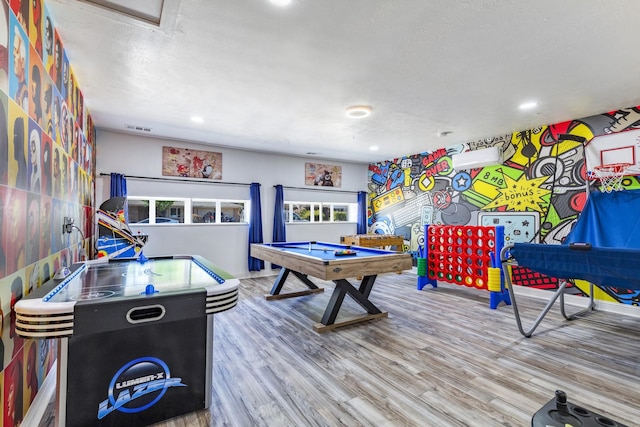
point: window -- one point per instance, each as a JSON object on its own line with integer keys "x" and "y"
{"x": 155, "y": 210}
{"x": 304, "y": 212}
{"x": 204, "y": 211}
{"x": 231, "y": 211}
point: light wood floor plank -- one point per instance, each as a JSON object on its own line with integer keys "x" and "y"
{"x": 441, "y": 358}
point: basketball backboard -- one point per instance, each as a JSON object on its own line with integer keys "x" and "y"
{"x": 622, "y": 147}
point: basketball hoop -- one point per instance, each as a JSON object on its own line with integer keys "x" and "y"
{"x": 610, "y": 176}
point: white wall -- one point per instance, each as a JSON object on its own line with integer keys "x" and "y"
{"x": 225, "y": 244}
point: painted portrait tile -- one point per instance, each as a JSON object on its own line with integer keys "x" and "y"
{"x": 3, "y": 244}
{"x": 19, "y": 64}
{"x": 13, "y": 410}
{"x": 47, "y": 104}
{"x": 57, "y": 239}
{"x": 4, "y": 47}
{"x": 36, "y": 88}
{"x": 80, "y": 116}
{"x": 17, "y": 292}
{"x": 34, "y": 166}
{"x": 32, "y": 251}
{"x": 47, "y": 51}
{"x": 71, "y": 92}
{"x": 14, "y": 226}
{"x": 73, "y": 180}
{"x": 20, "y": 9}
{"x": 32, "y": 275}
{"x": 45, "y": 229}
{"x": 64, "y": 176}
{"x": 66, "y": 127}
{"x": 35, "y": 24}
{"x": 56, "y": 176}
{"x": 66, "y": 74}
{"x": 89, "y": 158}
{"x": 58, "y": 61}
{"x": 84, "y": 157}
{"x": 56, "y": 116}
{"x": 75, "y": 143}
{"x": 4, "y": 139}
{"x": 55, "y": 262}
{"x": 46, "y": 156}
{"x": 18, "y": 129}
{"x": 31, "y": 382}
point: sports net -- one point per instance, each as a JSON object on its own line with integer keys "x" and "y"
{"x": 610, "y": 176}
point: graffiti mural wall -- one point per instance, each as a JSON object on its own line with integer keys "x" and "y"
{"x": 537, "y": 192}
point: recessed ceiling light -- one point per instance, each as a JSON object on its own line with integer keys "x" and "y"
{"x": 197, "y": 119}
{"x": 358, "y": 111}
{"x": 528, "y": 105}
{"x": 373, "y": 148}
{"x": 281, "y": 3}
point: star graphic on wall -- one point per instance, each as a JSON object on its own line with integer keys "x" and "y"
{"x": 522, "y": 195}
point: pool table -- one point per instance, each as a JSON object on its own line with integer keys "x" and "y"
{"x": 335, "y": 262}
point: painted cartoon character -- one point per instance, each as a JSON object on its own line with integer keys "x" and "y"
{"x": 324, "y": 179}
{"x": 207, "y": 171}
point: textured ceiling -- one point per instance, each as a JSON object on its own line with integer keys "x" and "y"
{"x": 279, "y": 79}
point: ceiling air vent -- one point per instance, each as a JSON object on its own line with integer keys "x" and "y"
{"x": 148, "y": 11}
{"x": 137, "y": 128}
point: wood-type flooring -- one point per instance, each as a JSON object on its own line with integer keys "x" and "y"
{"x": 441, "y": 358}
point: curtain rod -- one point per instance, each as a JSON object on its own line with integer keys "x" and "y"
{"x": 317, "y": 189}
{"x": 206, "y": 181}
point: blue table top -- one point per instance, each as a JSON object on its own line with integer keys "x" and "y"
{"x": 329, "y": 251}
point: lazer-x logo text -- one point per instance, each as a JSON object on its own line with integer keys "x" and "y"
{"x": 138, "y": 385}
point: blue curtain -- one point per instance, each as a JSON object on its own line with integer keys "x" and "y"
{"x": 118, "y": 185}
{"x": 279, "y": 220}
{"x": 362, "y": 213}
{"x": 279, "y": 230}
{"x": 119, "y": 189}
{"x": 255, "y": 226}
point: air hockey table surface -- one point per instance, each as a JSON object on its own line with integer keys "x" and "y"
{"x": 115, "y": 279}
{"x": 135, "y": 337}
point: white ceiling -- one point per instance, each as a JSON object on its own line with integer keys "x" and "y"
{"x": 279, "y": 79}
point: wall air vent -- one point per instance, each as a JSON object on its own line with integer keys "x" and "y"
{"x": 137, "y": 128}
{"x": 491, "y": 156}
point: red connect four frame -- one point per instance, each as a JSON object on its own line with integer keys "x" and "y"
{"x": 464, "y": 255}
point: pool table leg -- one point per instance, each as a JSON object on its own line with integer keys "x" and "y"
{"x": 279, "y": 283}
{"x": 361, "y": 296}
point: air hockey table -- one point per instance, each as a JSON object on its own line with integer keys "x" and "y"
{"x": 335, "y": 262}
{"x": 135, "y": 337}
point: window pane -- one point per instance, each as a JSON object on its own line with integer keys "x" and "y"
{"x": 169, "y": 211}
{"x": 340, "y": 213}
{"x": 138, "y": 210}
{"x": 326, "y": 213}
{"x": 317, "y": 209}
{"x": 231, "y": 211}
{"x": 301, "y": 212}
{"x": 203, "y": 212}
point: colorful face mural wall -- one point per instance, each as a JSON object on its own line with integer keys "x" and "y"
{"x": 47, "y": 146}
{"x": 537, "y": 192}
